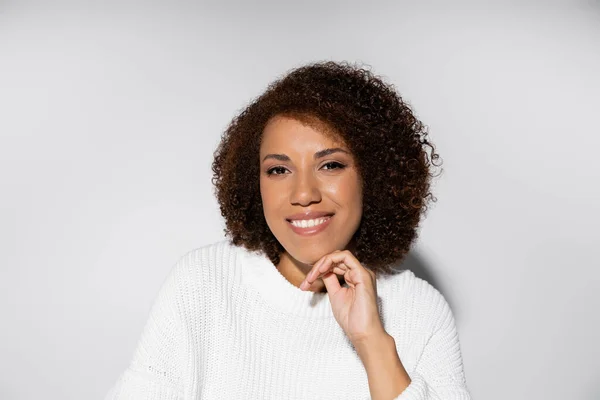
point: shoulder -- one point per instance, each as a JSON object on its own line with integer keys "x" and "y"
{"x": 216, "y": 252}
{"x": 196, "y": 273}
{"x": 417, "y": 300}
{"x": 205, "y": 262}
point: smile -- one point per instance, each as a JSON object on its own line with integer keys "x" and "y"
{"x": 309, "y": 227}
{"x": 308, "y": 223}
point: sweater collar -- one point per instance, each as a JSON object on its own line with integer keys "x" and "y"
{"x": 264, "y": 277}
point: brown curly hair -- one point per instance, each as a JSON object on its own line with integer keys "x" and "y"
{"x": 387, "y": 140}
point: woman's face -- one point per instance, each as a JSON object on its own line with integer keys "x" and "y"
{"x": 303, "y": 170}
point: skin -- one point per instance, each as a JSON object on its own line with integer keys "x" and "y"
{"x": 304, "y": 183}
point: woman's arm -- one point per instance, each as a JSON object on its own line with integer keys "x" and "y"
{"x": 439, "y": 373}
{"x": 385, "y": 372}
{"x": 155, "y": 373}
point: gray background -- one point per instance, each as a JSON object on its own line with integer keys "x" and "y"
{"x": 110, "y": 112}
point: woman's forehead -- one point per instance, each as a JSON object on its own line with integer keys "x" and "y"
{"x": 291, "y": 130}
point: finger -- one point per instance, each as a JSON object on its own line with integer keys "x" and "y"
{"x": 325, "y": 267}
{"x": 331, "y": 283}
{"x": 336, "y": 258}
{"x": 336, "y": 269}
{"x": 316, "y": 270}
{"x": 357, "y": 273}
{"x": 347, "y": 258}
{"x": 315, "y": 267}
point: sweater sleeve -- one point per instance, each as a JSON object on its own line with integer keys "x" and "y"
{"x": 154, "y": 372}
{"x": 439, "y": 373}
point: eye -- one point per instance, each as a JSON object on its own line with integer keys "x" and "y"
{"x": 281, "y": 170}
{"x": 335, "y": 164}
{"x": 271, "y": 171}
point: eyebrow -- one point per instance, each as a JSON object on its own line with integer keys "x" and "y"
{"x": 318, "y": 154}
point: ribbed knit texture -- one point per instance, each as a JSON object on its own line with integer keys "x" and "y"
{"x": 227, "y": 325}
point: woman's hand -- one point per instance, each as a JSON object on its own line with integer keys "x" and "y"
{"x": 354, "y": 308}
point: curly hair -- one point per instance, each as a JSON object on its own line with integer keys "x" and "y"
{"x": 387, "y": 140}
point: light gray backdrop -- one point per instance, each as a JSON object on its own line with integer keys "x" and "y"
{"x": 110, "y": 113}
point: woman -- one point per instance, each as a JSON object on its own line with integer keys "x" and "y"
{"x": 322, "y": 181}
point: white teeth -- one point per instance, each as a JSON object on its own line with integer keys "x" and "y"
{"x": 309, "y": 223}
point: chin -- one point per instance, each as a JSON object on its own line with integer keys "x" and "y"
{"x": 310, "y": 249}
{"x": 310, "y": 254}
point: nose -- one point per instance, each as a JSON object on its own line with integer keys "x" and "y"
{"x": 305, "y": 189}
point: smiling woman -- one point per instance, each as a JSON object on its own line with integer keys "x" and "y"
{"x": 322, "y": 181}
{"x": 314, "y": 176}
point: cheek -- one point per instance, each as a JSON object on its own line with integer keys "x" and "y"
{"x": 271, "y": 197}
{"x": 349, "y": 191}
{"x": 265, "y": 190}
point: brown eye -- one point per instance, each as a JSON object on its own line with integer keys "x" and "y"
{"x": 334, "y": 165}
{"x": 271, "y": 171}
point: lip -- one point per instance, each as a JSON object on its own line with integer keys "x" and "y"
{"x": 312, "y": 230}
{"x": 309, "y": 215}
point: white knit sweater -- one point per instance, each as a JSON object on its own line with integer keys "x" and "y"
{"x": 227, "y": 325}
